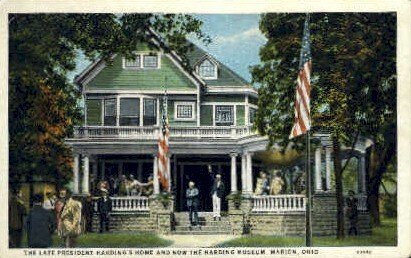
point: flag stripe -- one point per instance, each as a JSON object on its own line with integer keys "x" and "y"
{"x": 303, "y": 88}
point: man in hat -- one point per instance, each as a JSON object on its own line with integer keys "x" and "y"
{"x": 217, "y": 193}
{"x": 104, "y": 209}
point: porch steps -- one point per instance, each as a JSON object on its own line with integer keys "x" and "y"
{"x": 207, "y": 225}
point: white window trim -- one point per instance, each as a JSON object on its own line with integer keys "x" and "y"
{"x": 208, "y": 77}
{"x": 142, "y": 54}
{"x": 234, "y": 114}
{"x": 185, "y": 103}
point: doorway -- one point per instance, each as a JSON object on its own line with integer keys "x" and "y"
{"x": 203, "y": 180}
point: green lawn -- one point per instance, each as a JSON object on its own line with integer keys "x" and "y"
{"x": 385, "y": 235}
{"x": 125, "y": 240}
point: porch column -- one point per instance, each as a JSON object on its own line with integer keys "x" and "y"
{"x": 249, "y": 173}
{"x": 155, "y": 175}
{"x": 86, "y": 175}
{"x": 328, "y": 168}
{"x": 76, "y": 174}
{"x": 243, "y": 173}
{"x": 362, "y": 175}
{"x": 318, "y": 186}
{"x": 233, "y": 172}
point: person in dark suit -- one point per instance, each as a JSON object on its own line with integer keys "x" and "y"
{"x": 192, "y": 203}
{"x": 17, "y": 211}
{"x": 352, "y": 212}
{"x": 104, "y": 209}
{"x": 217, "y": 193}
{"x": 41, "y": 224}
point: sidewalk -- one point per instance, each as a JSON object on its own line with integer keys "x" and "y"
{"x": 197, "y": 240}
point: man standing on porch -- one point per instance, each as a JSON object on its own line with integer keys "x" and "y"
{"x": 217, "y": 193}
{"x": 192, "y": 203}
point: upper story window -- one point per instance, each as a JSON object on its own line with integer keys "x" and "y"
{"x": 150, "y": 112}
{"x": 252, "y": 115}
{"x": 110, "y": 112}
{"x": 129, "y": 111}
{"x": 224, "y": 115}
{"x": 184, "y": 110}
{"x": 142, "y": 61}
{"x": 150, "y": 61}
{"x": 207, "y": 70}
{"x": 133, "y": 63}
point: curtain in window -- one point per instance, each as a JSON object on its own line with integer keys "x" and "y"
{"x": 224, "y": 115}
{"x": 129, "y": 111}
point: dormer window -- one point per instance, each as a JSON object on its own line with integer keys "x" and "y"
{"x": 207, "y": 70}
{"x": 142, "y": 61}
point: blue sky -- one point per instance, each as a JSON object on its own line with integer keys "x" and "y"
{"x": 236, "y": 41}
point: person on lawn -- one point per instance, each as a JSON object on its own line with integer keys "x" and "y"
{"x": 352, "y": 212}
{"x": 104, "y": 209}
{"x": 70, "y": 226}
{"x": 41, "y": 224}
{"x": 192, "y": 203}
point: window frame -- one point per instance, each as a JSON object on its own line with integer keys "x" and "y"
{"x": 185, "y": 103}
{"x": 215, "y": 75}
{"x": 155, "y": 110}
{"x": 233, "y": 116}
{"x": 139, "y": 111}
{"x": 251, "y": 109}
{"x": 141, "y": 56}
{"x": 105, "y": 111}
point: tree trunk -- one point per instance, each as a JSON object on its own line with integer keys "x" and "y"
{"x": 379, "y": 164}
{"x": 338, "y": 188}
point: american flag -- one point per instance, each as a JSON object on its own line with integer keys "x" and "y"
{"x": 302, "y": 118}
{"x": 163, "y": 148}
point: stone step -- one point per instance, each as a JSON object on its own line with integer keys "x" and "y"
{"x": 201, "y": 232}
{"x": 204, "y": 222}
{"x": 203, "y": 228}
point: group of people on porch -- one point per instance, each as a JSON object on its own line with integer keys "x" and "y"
{"x": 124, "y": 186}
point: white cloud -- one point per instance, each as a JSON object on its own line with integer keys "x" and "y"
{"x": 253, "y": 33}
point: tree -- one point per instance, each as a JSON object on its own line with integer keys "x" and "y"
{"x": 43, "y": 48}
{"x": 353, "y": 70}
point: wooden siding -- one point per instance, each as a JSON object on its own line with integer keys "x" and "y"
{"x": 115, "y": 77}
{"x": 206, "y": 115}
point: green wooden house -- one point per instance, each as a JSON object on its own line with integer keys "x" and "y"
{"x": 211, "y": 112}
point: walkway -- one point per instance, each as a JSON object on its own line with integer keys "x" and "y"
{"x": 197, "y": 240}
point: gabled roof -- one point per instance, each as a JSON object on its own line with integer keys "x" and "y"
{"x": 226, "y": 76}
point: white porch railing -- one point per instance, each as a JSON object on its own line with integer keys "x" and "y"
{"x": 151, "y": 132}
{"x": 278, "y": 203}
{"x": 127, "y": 203}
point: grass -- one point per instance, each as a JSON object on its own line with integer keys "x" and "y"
{"x": 114, "y": 240}
{"x": 385, "y": 235}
